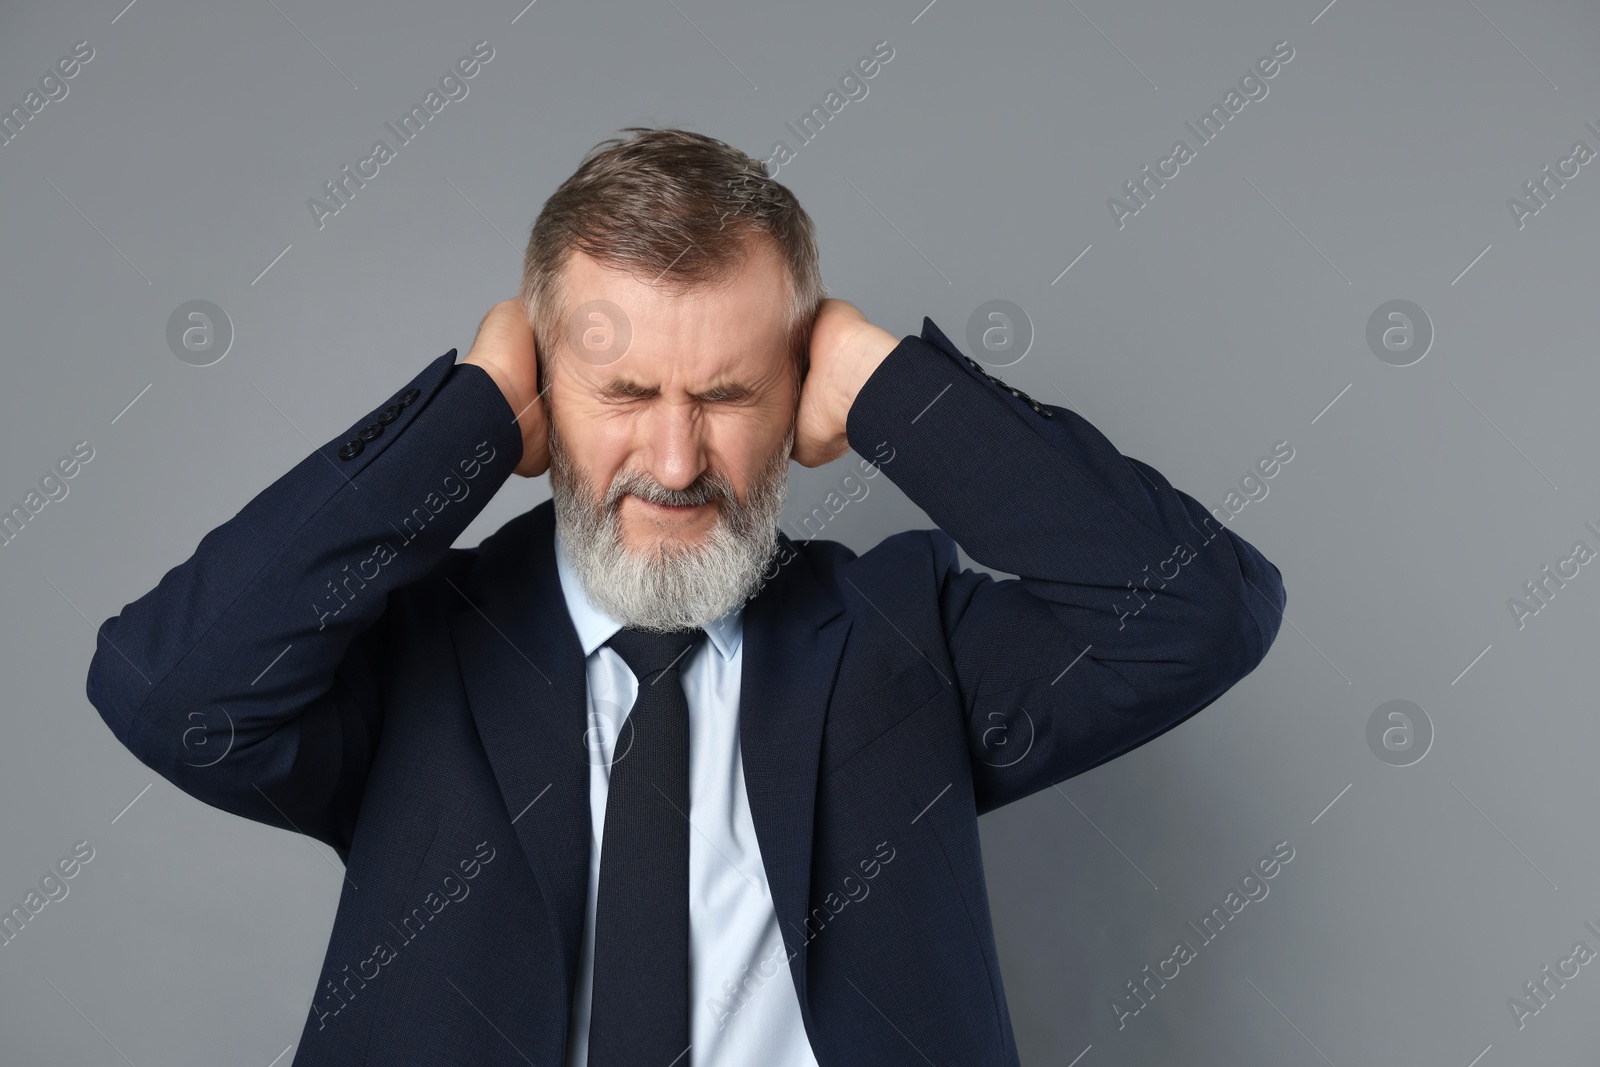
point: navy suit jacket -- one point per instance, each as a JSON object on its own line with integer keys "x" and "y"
{"x": 327, "y": 663}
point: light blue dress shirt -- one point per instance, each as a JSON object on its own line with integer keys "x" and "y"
{"x": 742, "y": 1004}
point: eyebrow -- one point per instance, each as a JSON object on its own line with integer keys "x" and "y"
{"x": 628, "y": 389}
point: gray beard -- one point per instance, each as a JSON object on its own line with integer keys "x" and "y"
{"x": 675, "y": 586}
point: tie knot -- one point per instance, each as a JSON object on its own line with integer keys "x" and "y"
{"x": 647, "y": 653}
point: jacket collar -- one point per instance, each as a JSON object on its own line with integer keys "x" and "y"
{"x": 522, "y": 663}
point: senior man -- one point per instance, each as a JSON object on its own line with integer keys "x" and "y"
{"x": 640, "y": 780}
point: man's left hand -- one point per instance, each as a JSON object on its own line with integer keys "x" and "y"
{"x": 845, "y": 350}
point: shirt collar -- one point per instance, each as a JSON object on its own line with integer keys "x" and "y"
{"x": 595, "y": 627}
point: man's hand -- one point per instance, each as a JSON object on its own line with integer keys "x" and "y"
{"x": 845, "y": 350}
{"x": 504, "y": 348}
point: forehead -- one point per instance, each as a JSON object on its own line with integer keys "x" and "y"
{"x": 736, "y": 324}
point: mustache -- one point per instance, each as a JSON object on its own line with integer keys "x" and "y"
{"x": 710, "y": 487}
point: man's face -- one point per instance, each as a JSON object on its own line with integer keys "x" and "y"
{"x": 706, "y": 388}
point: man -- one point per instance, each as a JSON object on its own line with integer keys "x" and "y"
{"x": 640, "y": 780}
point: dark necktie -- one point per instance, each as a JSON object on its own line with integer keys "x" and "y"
{"x": 639, "y": 1015}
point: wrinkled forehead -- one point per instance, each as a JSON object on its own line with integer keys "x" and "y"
{"x": 617, "y": 323}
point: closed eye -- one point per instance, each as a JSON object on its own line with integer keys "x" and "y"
{"x": 624, "y": 391}
{"x": 725, "y": 394}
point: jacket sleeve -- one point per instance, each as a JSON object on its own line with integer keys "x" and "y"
{"x": 1133, "y": 607}
{"x": 250, "y": 676}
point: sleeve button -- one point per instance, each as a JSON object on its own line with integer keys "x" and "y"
{"x": 389, "y": 414}
{"x": 409, "y": 395}
{"x": 351, "y": 449}
{"x": 369, "y": 431}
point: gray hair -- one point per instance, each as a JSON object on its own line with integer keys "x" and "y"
{"x": 677, "y": 206}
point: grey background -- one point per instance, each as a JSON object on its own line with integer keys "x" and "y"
{"x": 1224, "y": 317}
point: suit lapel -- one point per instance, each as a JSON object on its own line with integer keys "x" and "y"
{"x": 523, "y": 669}
{"x": 794, "y": 634}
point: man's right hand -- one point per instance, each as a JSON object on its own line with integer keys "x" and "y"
{"x": 504, "y": 348}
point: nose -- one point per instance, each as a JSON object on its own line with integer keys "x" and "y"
{"x": 674, "y": 449}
